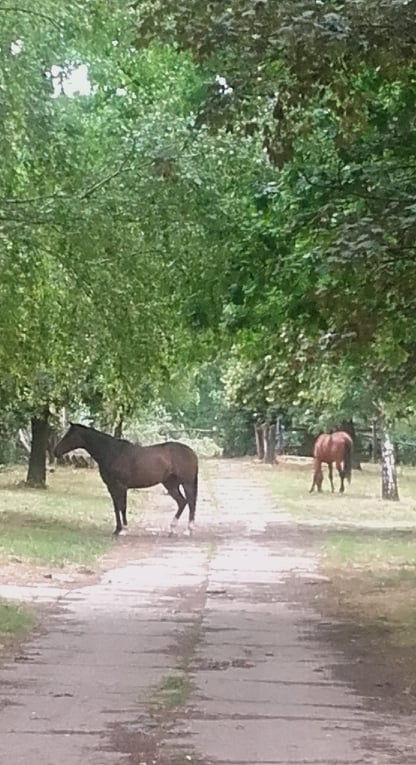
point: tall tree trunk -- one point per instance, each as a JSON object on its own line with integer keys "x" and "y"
{"x": 36, "y": 474}
{"x": 52, "y": 441}
{"x": 374, "y": 441}
{"x": 118, "y": 430}
{"x": 270, "y": 439}
{"x": 280, "y": 437}
{"x": 389, "y": 489}
{"x": 63, "y": 418}
{"x": 259, "y": 434}
{"x": 348, "y": 427}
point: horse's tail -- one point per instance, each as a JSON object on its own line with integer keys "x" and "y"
{"x": 192, "y": 494}
{"x": 348, "y": 460}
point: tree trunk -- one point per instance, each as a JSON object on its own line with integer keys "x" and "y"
{"x": 280, "y": 437}
{"x": 348, "y": 427}
{"x": 118, "y": 430}
{"x": 52, "y": 441}
{"x": 63, "y": 418}
{"x": 389, "y": 489}
{"x": 270, "y": 439}
{"x": 36, "y": 475}
{"x": 24, "y": 439}
{"x": 259, "y": 434}
{"x": 374, "y": 441}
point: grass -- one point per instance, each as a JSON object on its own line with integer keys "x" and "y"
{"x": 368, "y": 546}
{"x": 15, "y": 620}
{"x": 172, "y": 692}
{"x": 373, "y": 551}
{"x": 374, "y": 579}
{"x": 69, "y": 523}
{"x": 360, "y": 505}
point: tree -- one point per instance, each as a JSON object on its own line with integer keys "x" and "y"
{"x": 330, "y": 91}
{"x": 84, "y": 279}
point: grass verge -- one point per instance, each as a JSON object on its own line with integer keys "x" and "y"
{"x": 361, "y": 503}
{"x": 368, "y": 553}
{"x": 373, "y": 579}
{"x": 15, "y": 620}
{"x": 69, "y": 523}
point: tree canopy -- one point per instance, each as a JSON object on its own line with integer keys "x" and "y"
{"x": 325, "y": 278}
{"x": 232, "y": 182}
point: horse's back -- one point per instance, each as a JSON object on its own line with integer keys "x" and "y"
{"x": 341, "y": 437}
{"x": 328, "y": 446}
{"x": 182, "y": 456}
{"x": 167, "y": 458}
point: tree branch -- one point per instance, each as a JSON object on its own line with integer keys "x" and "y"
{"x": 29, "y": 12}
{"x": 99, "y": 184}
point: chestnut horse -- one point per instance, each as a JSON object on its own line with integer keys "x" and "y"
{"x": 124, "y": 465}
{"x": 332, "y": 447}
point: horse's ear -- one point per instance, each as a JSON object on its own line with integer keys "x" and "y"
{"x": 70, "y": 423}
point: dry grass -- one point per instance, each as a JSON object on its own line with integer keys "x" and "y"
{"x": 368, "y": 545}
{"x": 360, "y": 505}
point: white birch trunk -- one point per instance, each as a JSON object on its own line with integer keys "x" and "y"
{"x": 389, "y": 488}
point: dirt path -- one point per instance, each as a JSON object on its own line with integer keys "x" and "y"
{"x": 192, "y": 651}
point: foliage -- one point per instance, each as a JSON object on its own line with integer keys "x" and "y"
{"x": 86, "y": 302}
{"x": 235, "y": 191}
{"x": 325, "y": 251}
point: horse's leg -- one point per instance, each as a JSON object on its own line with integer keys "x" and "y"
{"x": 331, "y": 476}
{"x": 341, "y": 475}
{"x": 172, "y": 487}
{"x": 123, "y": 509}
{"x": 191, "y": 490}
{"x": 119, "y": 497}
{"x": 317, "y": 476}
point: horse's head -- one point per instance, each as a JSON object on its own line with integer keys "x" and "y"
{"x": 73, "y": 439}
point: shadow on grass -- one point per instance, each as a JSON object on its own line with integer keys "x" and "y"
{"x": 29, "y": 537}
{"x": 21, "y": 520}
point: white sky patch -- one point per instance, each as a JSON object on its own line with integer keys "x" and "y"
{"x": 222, "y": 82}
{"x": 16, "y": 47}
{"x": 71, "y": 83}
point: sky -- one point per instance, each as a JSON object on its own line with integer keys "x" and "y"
{"x": 76, "y": 82}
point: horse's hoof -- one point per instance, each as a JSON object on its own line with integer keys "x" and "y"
{"x": 189, "y": 530}
{"x": 173, "y": 526}
{"x": 120, "y": 533}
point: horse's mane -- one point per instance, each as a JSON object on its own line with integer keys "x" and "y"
{"x": 102, "y": 445}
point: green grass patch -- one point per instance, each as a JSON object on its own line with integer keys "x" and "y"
{"x": 15, "y": 620}
{"x": 379, "y": 553}
{"x": 171, "y": 693}
{"x": 361, "y": 504}
{"x": 373, "y": 579}
{"x": 368, "y": 545}
{"x": 69, "y": 523}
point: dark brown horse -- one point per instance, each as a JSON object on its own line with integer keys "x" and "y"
{"x": 124, "y": 465}
{"x": 329, "y": 448}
